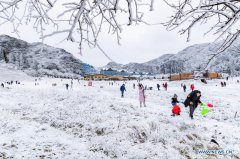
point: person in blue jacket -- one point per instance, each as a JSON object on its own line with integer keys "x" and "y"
{"x": 122, "y": 89}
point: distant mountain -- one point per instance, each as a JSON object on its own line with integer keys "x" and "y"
{"x": 38, "y": 59}
{"x": 114, "y": 65}
{"x": 192, "y": 58}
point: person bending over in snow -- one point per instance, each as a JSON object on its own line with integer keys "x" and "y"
{"x": 193, "y": 99}
{"x": 122, "y": 89}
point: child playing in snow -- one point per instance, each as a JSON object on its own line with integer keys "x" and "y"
{"x": 176, "y": 110}
{"x": 174, "y": 100}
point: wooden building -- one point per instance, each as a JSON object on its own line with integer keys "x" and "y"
{"x": 187, "y": 76}
{"x": 181, "y": 76}
{"x": 214, "y": 75}
{"x": 96, "y": 77}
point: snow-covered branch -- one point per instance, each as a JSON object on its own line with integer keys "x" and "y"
{"x": 223, "y": 14}
{"x": 82, "y": 20}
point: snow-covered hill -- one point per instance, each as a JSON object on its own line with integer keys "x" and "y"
{"x": 191, "y": 58}
{"x": 39, "y": 59}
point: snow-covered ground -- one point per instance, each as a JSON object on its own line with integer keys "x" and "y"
{"x": 46, "y": 121}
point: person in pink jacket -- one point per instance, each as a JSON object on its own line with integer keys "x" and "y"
{"x": 141, "y": 95}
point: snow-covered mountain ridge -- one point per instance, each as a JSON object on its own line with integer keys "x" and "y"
{"x": 38, "y": 59}
{"x": 192, "y": 58}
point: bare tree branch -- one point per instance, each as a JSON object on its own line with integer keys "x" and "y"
{"x": 85, "y": 18}
{"x": 223, "y": 14}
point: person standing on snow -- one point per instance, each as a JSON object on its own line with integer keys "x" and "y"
{"x": 222, "y": 84}
{"x": 166, "y": 85}
{"x": 184, "y": 88}
{"x": 122, "y": 89}
{"x": 141, "y": 95}
{"x": 72, "y": 84}
{"x": 67, "y": 85}
{"x": 193, "y": 99}
{"x": 158, "y": 86}
{"x": 225, "y": 84}
{"x": 133, "y": 85}
{"x": 192, "y": 87}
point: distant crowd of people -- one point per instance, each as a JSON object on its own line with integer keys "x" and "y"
{"x": 10, "y": 83}
{"x": 192, "y": 99}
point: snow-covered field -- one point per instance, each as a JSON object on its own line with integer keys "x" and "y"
{"x": 46, "y": 121}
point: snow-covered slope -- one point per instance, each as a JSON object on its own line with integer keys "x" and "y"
{"x": 39, "y": 59}
{"x": 9, "y": 73}
{"x": 191, "y": 58}
{"x": 43, "y": 121}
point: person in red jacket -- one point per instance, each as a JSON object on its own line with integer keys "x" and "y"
{"x": 176, "y": 110}
{"x": 166, "y": 85}
{"x": 192, "y": 87}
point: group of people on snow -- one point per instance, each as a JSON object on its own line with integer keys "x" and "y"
{"x": 9, "y": 83}
{"x": 191, "y": 101}
{"x": 223, "y": 84}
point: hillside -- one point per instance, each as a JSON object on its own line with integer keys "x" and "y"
{"x": 38, "y": 59}
{"x": 191, "y": 58}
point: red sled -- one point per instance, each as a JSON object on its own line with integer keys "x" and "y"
{"x": 210, "y": 105}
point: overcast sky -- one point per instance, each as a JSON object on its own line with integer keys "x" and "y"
{"x": 139, "y": 43}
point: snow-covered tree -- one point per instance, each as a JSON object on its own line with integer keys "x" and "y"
{"x": 81, "y": 20}
{"x": 223, "y": 15}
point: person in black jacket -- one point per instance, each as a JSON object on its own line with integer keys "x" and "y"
{"x": 184, "y": 88}
{"x": 122, "y": 89}
{"x": 193, "y": 99}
